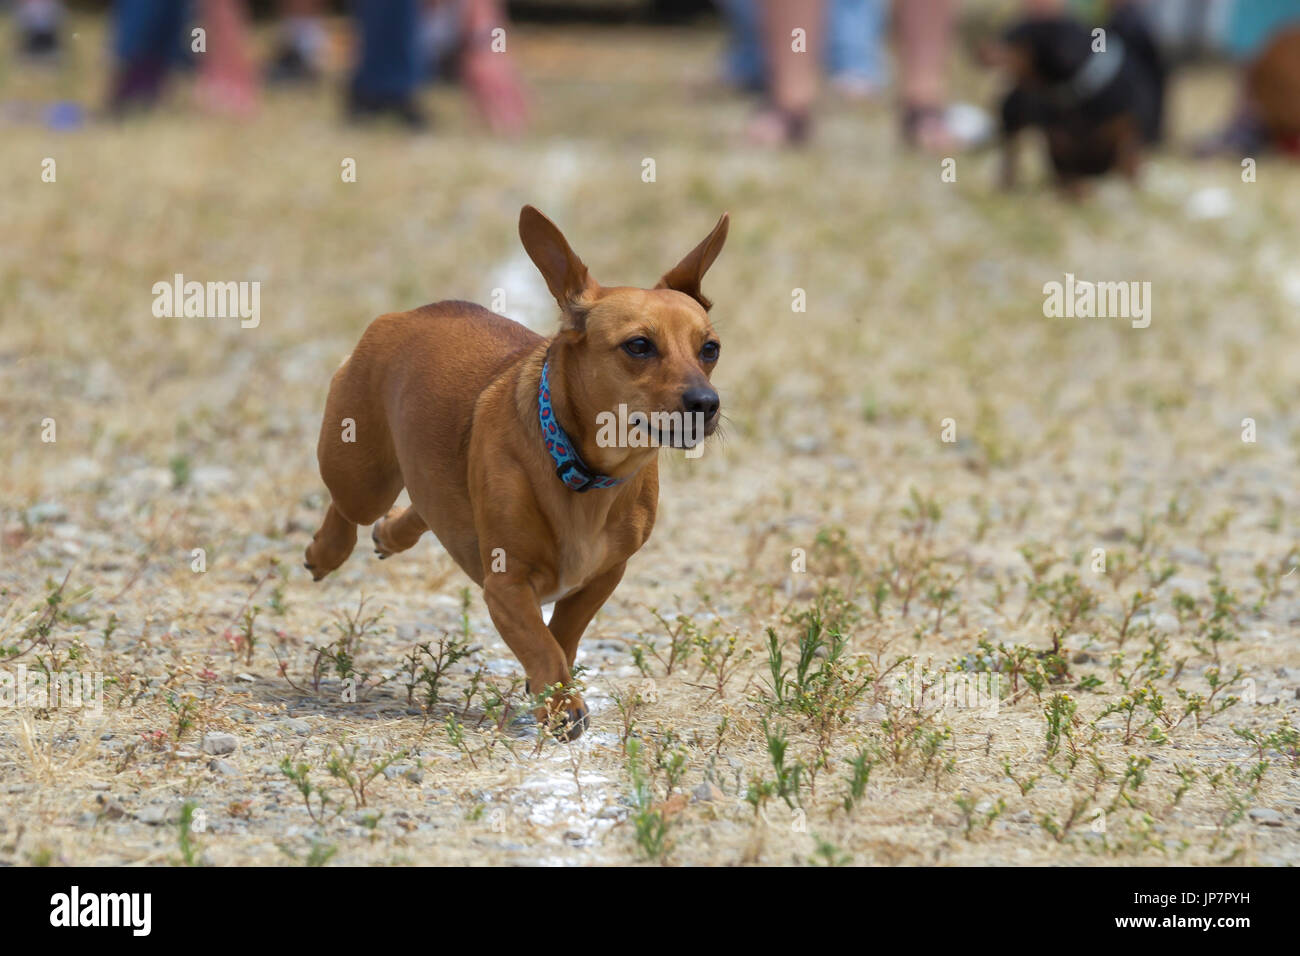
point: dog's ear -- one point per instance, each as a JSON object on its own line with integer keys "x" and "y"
{"x": 687, "y": 274}
{"x": 567, "y": 278}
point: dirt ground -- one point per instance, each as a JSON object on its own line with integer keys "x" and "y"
{"x": 1135, "y": 705}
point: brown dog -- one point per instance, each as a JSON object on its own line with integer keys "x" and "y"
{"x": 1272, "y": 90}
{"x": 447, "y": 401}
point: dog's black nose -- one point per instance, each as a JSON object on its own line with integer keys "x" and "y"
{"x": 700, "y": 400}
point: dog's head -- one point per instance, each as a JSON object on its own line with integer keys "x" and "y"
{"x": 1041, "y": 52}
{"x": 651, "y": 351}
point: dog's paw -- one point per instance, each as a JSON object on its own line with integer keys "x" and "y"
{"x": 574, "y": 724}
{"x": 383, "y": 550}
{"x": 374, "y": 538}
{"x": 314, "y": 562}
{"x": 566, "y": 718}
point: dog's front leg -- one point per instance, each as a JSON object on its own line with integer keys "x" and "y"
{"x": 1007, "y": 171}
{"x": 515, "y": 611}
{"x": 1128, "y": 149}
{"x": 1017, "y": 107}
{"x": 574, "y": 613}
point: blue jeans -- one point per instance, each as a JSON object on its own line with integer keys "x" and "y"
{"x": 855, "y": 40}
{"x": 388, "y": 67}
{"x": 150, "y": 31}
{"x": 853, "y": 48}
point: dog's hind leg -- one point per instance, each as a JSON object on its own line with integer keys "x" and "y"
{"x": 353, "y": 503}
{"x": 397, "y": 531}
{"x": 357, "y": 464}
{"x": 331, "y": 545}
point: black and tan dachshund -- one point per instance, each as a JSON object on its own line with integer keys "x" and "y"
{"x": 1098, "y": 97}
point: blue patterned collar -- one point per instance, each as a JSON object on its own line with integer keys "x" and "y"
{"x": 568, "y": 466}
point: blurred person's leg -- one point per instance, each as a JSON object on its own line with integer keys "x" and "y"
{"x": 794, "y": 61}
{"x": 925, "y": 29}
{"x": 227, "y": 83}
{"x": 855, "y": 56}
{"x": 743, "y": 63}
{"x": 387, "y": 70}
{"x": 440, "y": 39}
{"x": 38, "y": 27}
{"x": 145, "y": 37}
{"x": 300, "y": 43}
{"x": 487, "y": 70}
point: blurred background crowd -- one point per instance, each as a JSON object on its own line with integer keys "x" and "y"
{"x": 787, "y": 53}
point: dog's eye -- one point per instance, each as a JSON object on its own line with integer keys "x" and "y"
{"x": 710, "y": 351}
{"x": 639, "y": 347}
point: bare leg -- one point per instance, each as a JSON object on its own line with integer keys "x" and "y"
{"x": 794, "y": 64}
{"x": 488, "y": 76}
{"x": 925, "y": 30}
{"x": 226, "y": 80}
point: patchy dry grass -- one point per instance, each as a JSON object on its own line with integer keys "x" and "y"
{"x": 1143, "y": 701}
